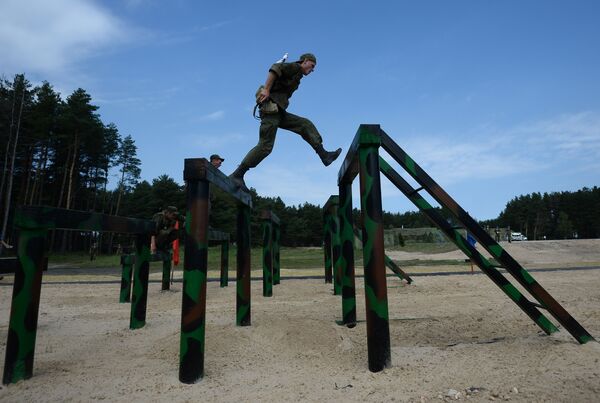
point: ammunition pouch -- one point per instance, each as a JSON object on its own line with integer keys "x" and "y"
{"x": 267, "y": 107}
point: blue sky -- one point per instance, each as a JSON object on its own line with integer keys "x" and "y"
{"x": 493, "y": 98}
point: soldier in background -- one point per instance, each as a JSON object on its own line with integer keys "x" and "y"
{"x": 273, "y": 99}
{"x": 166, "y": 231}
{"x": 216, "y": 160}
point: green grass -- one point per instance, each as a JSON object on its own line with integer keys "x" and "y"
{"x": 437, "y": 247}
{"x": 291, "y": 258}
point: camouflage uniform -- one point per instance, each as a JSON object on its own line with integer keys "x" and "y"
{"x": 287, "y": 81}
{"x": 166, "y": 232}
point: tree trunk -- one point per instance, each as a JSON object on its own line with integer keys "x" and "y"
{"x": 64, "y": 181}
{"x": 7, "y": 153}
{"x": 71, "y": 169}
{"x": 10, "y": 175}
{"x": 36, "y": 178}
{"x": 63, "y": 248}
{"x": 42, "y": 178}
{"x": 26, "y": 179}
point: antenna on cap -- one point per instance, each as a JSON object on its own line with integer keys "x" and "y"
{"x": 283, "y": 59}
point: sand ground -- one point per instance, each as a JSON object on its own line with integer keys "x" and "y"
{"x": 452, "y": 337}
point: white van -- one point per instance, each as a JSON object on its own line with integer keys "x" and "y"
{"x": 517, "y": 236}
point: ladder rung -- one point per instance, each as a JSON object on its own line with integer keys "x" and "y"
{"x": 416, "y": 191}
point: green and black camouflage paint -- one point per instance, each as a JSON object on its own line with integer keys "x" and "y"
{"x": 267, "y": 257}
{"x": 389, "y": 262}
{"x": 224, "y": 281}
{"x": 346, "y": 237}
{"x": 455, "y": 236}
{"x": 193, "y": 309}
{"x": 506, "y": 260}
{"x": 33, "y": 223}
{"x": 198, "y": 173}
{"x": 327, "y": 247}
{"x": 243, "y": 314}
{"x": 332, "y": 238}
{"x": 336, "y": 250}
{"x": 139, "y": 294}
{"x": 378, "y": 331}
{"x": 126, "y": 273}
{"x": 22, "y": 328}
{"x": 270, "y": 253}
{"x": 166, "y": 271}
{"x": 276, "y": 254}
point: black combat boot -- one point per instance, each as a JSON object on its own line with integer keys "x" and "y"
{"x": 327, "y": 157}
{"x": 237, "y": 177}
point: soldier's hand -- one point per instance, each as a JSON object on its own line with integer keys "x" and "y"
{"x": 264, "y": 95}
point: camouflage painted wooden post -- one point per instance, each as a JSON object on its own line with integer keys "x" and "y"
{"x": 334, "y": 250}
{"x": 243, "y": 313}
{"x": 276, "y": 256}
{"x": 126, "y": 273}
{"x": 327, "y": 247}
{"x": 389, "y": 262}
{"x": 22, "y": 328}
{"x": 455, "y": 236}
{"x": 166, "y": 272}
{"x": 347, "y": 255}
{"x": 378, "y": 331}
{"x": 224, "y": 263}
{"x": 34, "y": 223}
{"x": 139, "y": 297}
{"x": 267, "y": 255}
{"x": 193, "y": 310}
{"x": 486, "y": 241}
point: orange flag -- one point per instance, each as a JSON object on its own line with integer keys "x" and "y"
{"x": 176, "y": 247}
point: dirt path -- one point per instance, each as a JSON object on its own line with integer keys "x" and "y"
{"x": 451, "y": 337}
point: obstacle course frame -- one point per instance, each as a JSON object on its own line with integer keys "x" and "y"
{"x": 199, "y": 174}
{"x": 363, "y": 159}
{"x": 33, "y": 224}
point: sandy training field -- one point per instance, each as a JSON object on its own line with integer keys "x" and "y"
{"x": 453, "y": 337}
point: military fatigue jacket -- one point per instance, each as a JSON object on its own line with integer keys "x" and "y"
{"x": 287, "y": 81}
{"x": 163, "y": 223}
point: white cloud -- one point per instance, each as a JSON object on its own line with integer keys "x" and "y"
{"x": 576, "y": 134}
{"x": 213, "y": 142}
{"x": 494, "y": 152}
{"x": 48, "y": 36}
{"x": 217, "y": 115}
{"x": 294, "y": 184}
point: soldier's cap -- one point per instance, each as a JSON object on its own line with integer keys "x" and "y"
{"x": 172, "y": 209}
{"x": 216, "y": 157}
{"x": 307, "y": 56}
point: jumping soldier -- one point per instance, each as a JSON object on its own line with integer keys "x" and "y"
{"x": 166, "y": 231}
{"x": 272, "y": 100}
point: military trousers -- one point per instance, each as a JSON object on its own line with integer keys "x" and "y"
{"x": 165, "y": 238}
{"x": 268, "y": 129}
